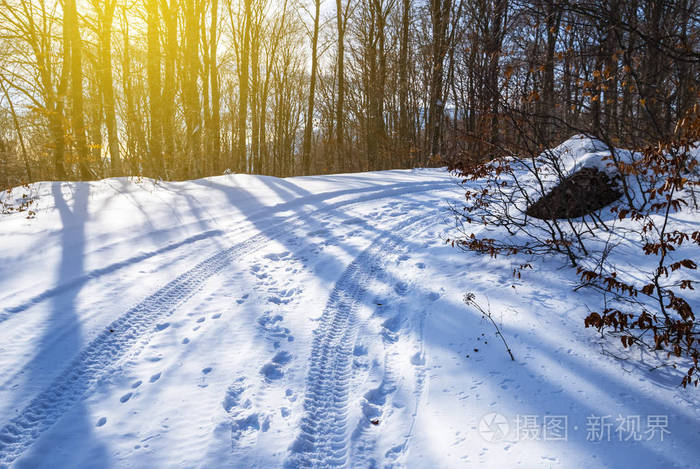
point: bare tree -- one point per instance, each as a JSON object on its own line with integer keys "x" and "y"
{"x": 105, "y": 20}
{"x": 154, "y": 89}
{"x": 308, "y": 128}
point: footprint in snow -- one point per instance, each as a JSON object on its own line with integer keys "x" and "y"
{"x": 401, "y": 288}
{"x": 155, "y": 377}
{"x": 273, "y": 370}
{"x": 284, "y": 297}
{"x": 282, "y": 358}
{"x": 433, "y": 296}
{"x": 207, "y": 370}
{"x": 126, "y": 397}
{"x": 251, "y": 422}
{"x": 267, "y": 320}
{"x": 101, "y": 421}
{"x": 277, "y": 256}
{"x": 359, "y": 350}
{"x": 394, "y": 453}
{"x": 289, "y": 394}
{"x": 360, "y": 353}
{"x": 418, "y": 359}
{"x": 322, "y": 233}
{"x": 273, "y": 329}
{"x": 233, "y": 395}
{"x": 393, "y": 324}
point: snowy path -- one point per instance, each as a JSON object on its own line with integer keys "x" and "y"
{"x": 309, "y": 322}
{"x": 132, "y": 330}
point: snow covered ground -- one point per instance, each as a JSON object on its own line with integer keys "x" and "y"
{"x": 247, "y": 321}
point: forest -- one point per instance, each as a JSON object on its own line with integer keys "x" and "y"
{"x": 181, "y": 89}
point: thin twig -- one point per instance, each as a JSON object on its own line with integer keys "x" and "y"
{"x": 469, "y": 300}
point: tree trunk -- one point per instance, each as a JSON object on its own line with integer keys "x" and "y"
{"x": 134, "y": 132}
{"x": 170, "y": 85}
{"x": 205, "y": 162}
{"x": 154, "y": 89}
{"x": 255, "y": 96}
{"x": 439, "y": 16}
{"x": 107, "y": 86}
{"x": 72, "y": 33}
{"x": 552, "y": 20}
{"x": 340, "y": 99}
{"x": 495, "y": 42}
{"x": 403, "y": 73}
{"x": 215, "y": 120}
{"x": 243, "y": 89}
{"x": 380, "y": 85}
{"x": 308, "y": 128}
{"x": 191, "y": 95}
{"x": 610, "y": 92}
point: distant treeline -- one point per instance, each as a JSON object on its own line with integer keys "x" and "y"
{"x": 181, "y": 89}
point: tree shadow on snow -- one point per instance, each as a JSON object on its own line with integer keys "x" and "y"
{"x": 70, "y": 439}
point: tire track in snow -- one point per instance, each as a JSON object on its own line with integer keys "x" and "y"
{"x": 79, "y": 281}
{"x": 135, "y": 326}
{"x": 397, "y": 189}
{"x": 323, "y": 438}
{"x": 95, "y": 359}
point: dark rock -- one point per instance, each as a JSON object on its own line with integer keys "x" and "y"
{"x": 582, "y": 193}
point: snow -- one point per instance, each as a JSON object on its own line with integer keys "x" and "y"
{"x": 248, "y": 321}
